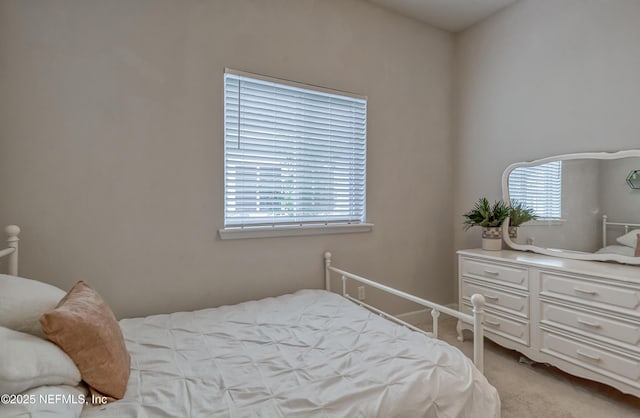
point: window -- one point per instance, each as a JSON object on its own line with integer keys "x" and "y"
{"x": 295, "y": 155}
{"x": 539, "y": 187}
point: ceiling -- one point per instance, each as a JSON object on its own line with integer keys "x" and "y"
{"x": 450, "y": 15}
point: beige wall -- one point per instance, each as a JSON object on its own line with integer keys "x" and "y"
{"x": 111, "y": 136}
{"x": 542, "y": 77}
{"x": 111, "y": 145}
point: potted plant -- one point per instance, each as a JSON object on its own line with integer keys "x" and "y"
{"x": 519, "y": 213}
{"x": 490, "y": 217}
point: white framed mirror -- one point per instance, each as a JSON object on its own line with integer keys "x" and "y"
{"x": 585, "y": 205}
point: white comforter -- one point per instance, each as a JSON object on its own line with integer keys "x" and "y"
{"x": 311, "y": 353}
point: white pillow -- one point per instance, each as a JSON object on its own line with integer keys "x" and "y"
{"x": 629, "y": 239}
{"x": 23, "y": 301}
{"x": 46, "y": 402}
{"x": 27, "y": 361}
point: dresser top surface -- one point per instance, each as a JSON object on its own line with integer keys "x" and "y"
{"x": 597, "y": 268}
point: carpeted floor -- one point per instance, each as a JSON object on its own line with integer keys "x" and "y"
{"x": 540, "y": 391}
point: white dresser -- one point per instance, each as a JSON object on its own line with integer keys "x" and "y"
{"x": 580, "y": 316}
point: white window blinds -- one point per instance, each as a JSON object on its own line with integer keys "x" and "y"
{"x": 538, "y": 187}
{"x": 293, "y": 155}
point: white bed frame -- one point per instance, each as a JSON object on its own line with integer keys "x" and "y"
{"x": 12, "y": 249}
{"x": 477, "y": 300}
{"x": 606, "y": 224}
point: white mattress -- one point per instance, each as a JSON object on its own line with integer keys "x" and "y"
{"x": 311, "y": 353}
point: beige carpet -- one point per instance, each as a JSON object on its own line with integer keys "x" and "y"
{"x": 540, "y": 391}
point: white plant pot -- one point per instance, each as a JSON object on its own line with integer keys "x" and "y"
{"x": 492, "y": 239}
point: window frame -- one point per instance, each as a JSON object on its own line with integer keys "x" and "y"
{"x": 288, "y": 228}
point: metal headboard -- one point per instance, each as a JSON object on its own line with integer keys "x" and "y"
{"x": 606, "y": 223}
{"x": 12, "y": 249}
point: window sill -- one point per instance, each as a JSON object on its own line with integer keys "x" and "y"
{"x": 545, "y": 222}
{"x": 291, "y": 230}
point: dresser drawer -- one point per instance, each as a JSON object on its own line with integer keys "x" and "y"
{"x": 616, "y": 366}
{"x": 592, "y": 324}
{"x": 504, "y": 327}
{"x": 511, "y": 302}
{"x": 607, "y": 296}
{"x": 499, "y": 273}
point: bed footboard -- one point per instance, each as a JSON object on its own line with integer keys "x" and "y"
{"x": 476, "y": 319}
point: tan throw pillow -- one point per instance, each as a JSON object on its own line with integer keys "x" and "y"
{"x": 86, "y": 329}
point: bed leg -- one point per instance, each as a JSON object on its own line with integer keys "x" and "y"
{"x": 478, "y": 302}
{"x": 12, "y": 240}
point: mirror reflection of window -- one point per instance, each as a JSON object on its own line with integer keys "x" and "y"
{"x": 538, "y": 187}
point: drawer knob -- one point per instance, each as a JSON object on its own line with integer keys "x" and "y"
{"x": 585, "y": 291}
{"x": 589, "y": 324}
{"x": 494, "y": 323}
{"x": 491, "y": 297}
{"x": 589, "y": 356}
{"x": 492, "y": 272}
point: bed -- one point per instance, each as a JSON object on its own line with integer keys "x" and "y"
{"x": 625, "y": 244}
{"x": 310, "y": 353}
